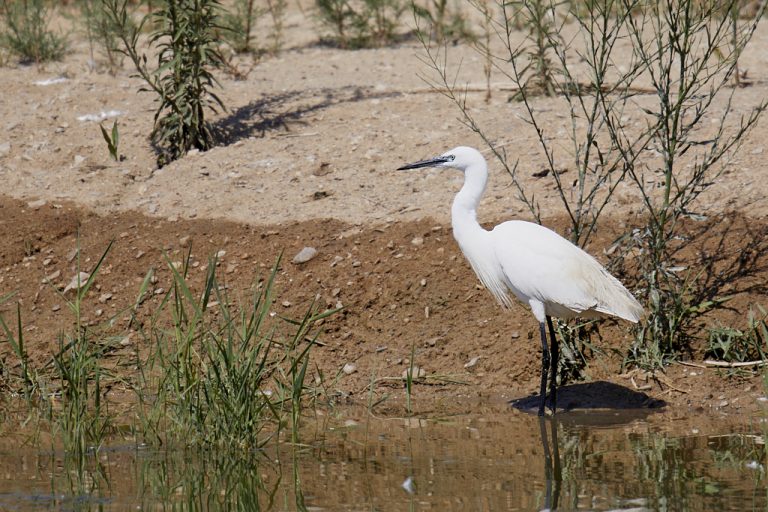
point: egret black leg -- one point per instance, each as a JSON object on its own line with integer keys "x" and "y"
{"x": 544, "y": 367}
{"x": 555, "y": 354}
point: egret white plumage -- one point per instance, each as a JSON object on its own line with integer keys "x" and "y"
{"x": 533, "y": 263}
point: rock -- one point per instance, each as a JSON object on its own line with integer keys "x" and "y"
{"x": 418, "y": 241}
{"x": 286, "y": 304}
{"x": 417, "y": 372}
{"x": 51, "y": 277}
{"x": 336, "y": 260}
{"x": 305, "y": 255}
{"x": 78, "y": 159}
{"x": 335, "y": 292}
{"x": 349, "y": 368}
{"x": 472, "y": 362}
{"x": 35, "y": 205}
{"x": 104, "y": 297}
{"x": 184, "y": 241}
{"x": 77, "y": 282}
{"x": 515, "y": 334}
{"x": 221, "y": 254}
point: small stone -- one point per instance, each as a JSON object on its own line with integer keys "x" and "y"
{"x": 56, "y": 307}
{"x": 184, "y": 241}
{"x": 99, "y": 312}
{"x": 77, "y": 282}
{"x": 723, "y": 403}
{"x": 35, "y": 205}
{"x": 139, "y": 254}
{"x": 349, "y": 369}
{"x": 47, "y": 261}
{"x": 51, "y": 277}
{"x": 221, "y": 254}
{"x": 417, "y": 372}
{"x": 152, "y": 208}
{"x": 286, "y": 304}
{"x": 515, "y": 334}
{"x": 104, "y": 297}
{"x": 391, "y": 245}
{"x": 159, "y": 291}
{"x": 125, "y": 341}
{"x": 231, "y": 268}
{"x": 417, "y": 241}
{"x": 336, "y": 260}
{"x": 356, "y": 263}
{"x": 472, "y": 362}
{"x": 423, "y": 282}
{"x": 335, "y": 292}
{"x": 5, "y": 148}
{"x": 304, "y": 255}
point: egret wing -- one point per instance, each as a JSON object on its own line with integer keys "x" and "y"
{"x": 542, "y": 265}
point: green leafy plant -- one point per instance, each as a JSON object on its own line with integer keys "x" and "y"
{"x": 26, "y": 31}
{"x": 113, "y": 141}
{"x": 219, "y": 376}
{"x": 736, "y": 345}
{"x": 187, "y": 52}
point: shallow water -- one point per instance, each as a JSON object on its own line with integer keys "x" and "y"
{"x": 494, "y": 459}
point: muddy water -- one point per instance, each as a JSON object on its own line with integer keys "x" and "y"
{"x": 495, "y": 458}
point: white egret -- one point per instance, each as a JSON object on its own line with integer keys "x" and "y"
{"x": 533, "y": 263}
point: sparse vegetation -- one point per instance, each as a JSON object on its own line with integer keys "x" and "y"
{"x": 368, "y": 23}
{"x": 26, "y": 32}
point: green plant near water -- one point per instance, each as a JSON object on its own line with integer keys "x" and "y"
{"x": 26, "y": 31}
{"x": 368, "y": 23}
{"x": 183, "y": 81}
{"x": 221, "y": 376}
{"x": 741, "y": 345}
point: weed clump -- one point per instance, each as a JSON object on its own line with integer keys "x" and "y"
{"x": 361, "y": 24}
{"x": 26, "y": 33}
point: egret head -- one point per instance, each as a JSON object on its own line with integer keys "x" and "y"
{"x": 459, "y": 158}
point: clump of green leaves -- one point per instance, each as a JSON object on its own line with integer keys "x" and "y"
{"x": 113, "y": 141}
{"x": 185, "y": 37}
{"x": 736, "y": 345}
{"x": 369, "y": 23}
{"x": 26, "y": 33}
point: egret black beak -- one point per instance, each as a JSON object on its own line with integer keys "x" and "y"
{"x": 425, "y": 163}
